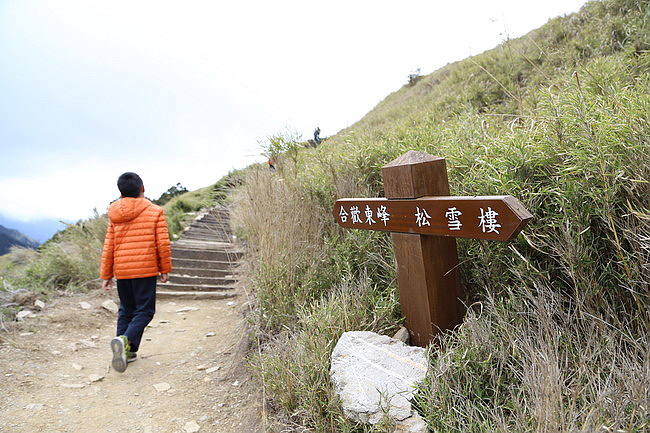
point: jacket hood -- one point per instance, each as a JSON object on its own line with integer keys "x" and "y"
{"x": 127, "y": 208}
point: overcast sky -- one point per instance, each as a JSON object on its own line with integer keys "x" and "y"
{"x": 185, "y": 91}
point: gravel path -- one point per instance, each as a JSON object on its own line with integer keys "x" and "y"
{"x": 190, "y": 375}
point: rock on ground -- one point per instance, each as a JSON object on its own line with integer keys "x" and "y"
{"x": 191, "y": 427}
{"x": 21, "y": 315}
{"x": 162, "y": 387}
{"x": 110, "y": 306}
{"x": 375, "y": 375}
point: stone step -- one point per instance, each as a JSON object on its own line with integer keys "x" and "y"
{"x": 216, "y": 219}
{"x": 200, "y": 237}
{"x": 200, "y": 254}
{"x": 210, "y": 225}
{"x": 219, "y": 213}
{"x": 195, "y": 295}
{"x": 195, "y": 280}
{"x": 202, "y": 244}
{"x": 198, "y": 272}
{"x": 211, "y": 219}
{"x": 208, "y": 233}
{"x": 195, "y": 287}
{"x": 208, "y": 236}
{"x": 213, "y": 235}
{"x": 203, "y": 264}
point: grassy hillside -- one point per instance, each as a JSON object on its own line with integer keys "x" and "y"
{"x": 556, "y": 334}
{"x": 70, "y": 260}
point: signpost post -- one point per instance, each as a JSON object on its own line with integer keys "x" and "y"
{"x": 424, "y": 222}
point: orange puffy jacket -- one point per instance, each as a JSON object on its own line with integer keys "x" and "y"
{"x": 137, "y": 241}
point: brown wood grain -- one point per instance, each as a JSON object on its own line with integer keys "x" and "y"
{"x": 487, "y": 217}
{"x": 427, "y": 266}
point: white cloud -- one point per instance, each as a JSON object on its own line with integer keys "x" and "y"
{"x": 182, "y": 92}
{"x": 68, "y": 194}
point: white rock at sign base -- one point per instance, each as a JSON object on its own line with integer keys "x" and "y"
{"x": 372, "y": 373}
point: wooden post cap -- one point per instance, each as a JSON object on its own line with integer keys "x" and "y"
{"x": 415, "y": 174}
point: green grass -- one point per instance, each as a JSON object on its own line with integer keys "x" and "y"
{"x": 557, "y": 335}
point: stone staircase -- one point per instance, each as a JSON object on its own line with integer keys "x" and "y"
{"x": 204, "y": 260}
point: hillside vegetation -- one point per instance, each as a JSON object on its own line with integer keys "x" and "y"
{"x": 556, "y": 333}
{"x": 70, "y": 260}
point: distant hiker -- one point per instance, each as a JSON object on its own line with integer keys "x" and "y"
{"x": 271, "y": 164}
{"x": 136, "y": 251}
{"x": 317, "y": 135}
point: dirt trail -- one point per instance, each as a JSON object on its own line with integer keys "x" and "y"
{"x": 49, "y": 364}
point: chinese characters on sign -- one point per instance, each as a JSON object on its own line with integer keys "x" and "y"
{"x": 422, "y": 217}
{"x": 455, "y": 219}
{"x": 381, "y": 215}
{"x": 354, "y": 210}
{"x": 452, "y": 215}
{"x": 489, "y": 221}
{"x": 344, "y": 215}
{"x": 369, "y": 219}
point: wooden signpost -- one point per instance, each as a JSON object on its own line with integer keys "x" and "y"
{"x": 424, "y": 222}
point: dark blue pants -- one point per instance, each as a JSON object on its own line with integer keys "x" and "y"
{"x": 137, "y": 307}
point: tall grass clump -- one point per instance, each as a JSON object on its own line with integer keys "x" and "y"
{"x": 556, "y": 338}
{"x": 309, "y": 289}
{"x": 538, "y": 361}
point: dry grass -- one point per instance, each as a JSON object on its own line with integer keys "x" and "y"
{"x": 306, "y": 294}
{"x": 540, "y": 364}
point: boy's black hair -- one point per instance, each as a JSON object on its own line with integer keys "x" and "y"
{"x": 129, "y": 184}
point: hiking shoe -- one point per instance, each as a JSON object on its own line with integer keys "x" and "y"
{"x": 120, "y": 348}
{"x": 131, "y": 357}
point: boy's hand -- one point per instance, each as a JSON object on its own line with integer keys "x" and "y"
{"x": 164, "y": 278}
{"x": 107, "y": 285}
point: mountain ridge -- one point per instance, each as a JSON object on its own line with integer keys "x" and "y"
{"x": 11, "y": 237}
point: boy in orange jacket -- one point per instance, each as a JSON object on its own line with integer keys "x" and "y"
{"x": 136, "y": 250}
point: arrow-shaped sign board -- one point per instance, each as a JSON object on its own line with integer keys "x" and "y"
{"x": 490, "y": 217}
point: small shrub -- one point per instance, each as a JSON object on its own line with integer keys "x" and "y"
{"x": 414, "y": 77}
